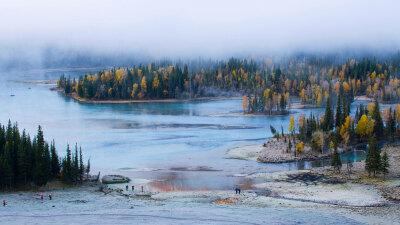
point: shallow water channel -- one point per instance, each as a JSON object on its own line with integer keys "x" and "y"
{"x": 166, "y": 146}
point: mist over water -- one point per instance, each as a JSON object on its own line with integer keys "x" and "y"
{"x": 48, "y": 34}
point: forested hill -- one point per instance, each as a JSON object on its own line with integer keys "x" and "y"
{"x": 267, "y": 84}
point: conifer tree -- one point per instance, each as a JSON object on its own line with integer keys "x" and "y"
{"x": 282, "y": 102}
{"x": 338, "y": 116}
{"x": 336, "y": 162}
{"x": 55, "y": 164}
{"x": 385, "y": 164}
{"x": 88, "y": 169}
{"x": 40, "y": 177}
{"x": 81, "y": 166}
{"x": 328, "y": 118}
{"x": 67, "y": 166}
{"x": 376, "y": 115}
{"x": 373, "y": 160}
{"x": 8, "y": 173}
{"x": 24, "y": 160}
{"x": 76, "y": 164}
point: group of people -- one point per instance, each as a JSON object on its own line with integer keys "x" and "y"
{"x": 133, "y": 188}
{"x": 50, "y": 196}
{"x": 41, "y": 197}
{"x": 237, "y": 190}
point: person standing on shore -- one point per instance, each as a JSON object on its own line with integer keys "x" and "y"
{"x": 4, "y": 203}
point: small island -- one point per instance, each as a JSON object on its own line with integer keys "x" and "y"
{"x": 267, "y": 87}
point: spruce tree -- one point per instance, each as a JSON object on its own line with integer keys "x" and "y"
{"x": 282, "y": 102}
{"x": 40, "y": 177}
{"x": 55, "y": 164}
{"x": 76, "y": 164}
{"x": 336, "y": 162}
{"x": 385, "y": 164}
{"x": 390, "y": 128}
{"x": 328, "y": 119}
{"x": 24, "y": 160}
{"x": 81, "y": 166}
{"x": 373, "y": 160}
{"x": 67, "y": 166}
{"x": 47, "y": 162}
{"x": 338, "y": 116}
{"x": 8, "y": 173}
{"x": 356, "y": 116}
{"x": 376, "y": 115}
{"x": 88, "y": 169}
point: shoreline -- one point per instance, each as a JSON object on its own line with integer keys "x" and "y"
{"x": 86, "y": 101}
{"x": 274, "y": 151}
{"x": 318, "y": 190}
{"x": 355, "y": 197}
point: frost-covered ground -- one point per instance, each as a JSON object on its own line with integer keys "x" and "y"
{"x": 87, "y": 205}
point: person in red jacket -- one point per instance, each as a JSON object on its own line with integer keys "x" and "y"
{"x": 41, "y": 197}
{"x": 4, "y": 203}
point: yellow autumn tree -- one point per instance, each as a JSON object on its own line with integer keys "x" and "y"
{"x": 143, "y": 85}
{"x": 291, "y": 125}
{"x": 370, "y": 108}
{"x": 373, "y": 76}
{"x": 156, "y": 82}
{"x": 345, "y": 127}
{"x": 346, "y": 87}
{"x": 319, "y": 99}
{"x": 365, "y": 126}
{"x": 300, "y": 147}
{"x": 134, "y": 89}
{"x": 358, "y": 84}
{"x": 120, "y": 75}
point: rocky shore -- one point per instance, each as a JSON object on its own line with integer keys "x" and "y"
{"x": 277, "y": 151}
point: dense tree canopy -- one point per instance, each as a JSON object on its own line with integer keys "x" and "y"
{"x": 24, "y": 160}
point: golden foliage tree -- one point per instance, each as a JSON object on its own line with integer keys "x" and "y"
{"x": 291, "y": 125}
{"x": 365, "y": 126}
{"x": 143, "y": 85}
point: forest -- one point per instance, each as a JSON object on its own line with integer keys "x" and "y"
{"x": 267, "y": 85}
{"x": 25, "y": 161}
{"x": 338, "y": 128}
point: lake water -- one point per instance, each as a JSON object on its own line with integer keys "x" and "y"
{"x": 175, "y": 138}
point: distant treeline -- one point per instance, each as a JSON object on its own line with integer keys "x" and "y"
{"x": 24, "y": 161}
{"x": 266, "y": 84}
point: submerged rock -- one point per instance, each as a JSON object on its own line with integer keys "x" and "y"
{"x": 114, "y": 179}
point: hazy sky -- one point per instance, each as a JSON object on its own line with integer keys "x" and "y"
{"x": 170, "y": 28}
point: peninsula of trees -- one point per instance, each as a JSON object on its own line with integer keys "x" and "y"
{"x": 25, "y": 161}
{"x": 338, "y": 128}
{"x": 266, "y": 84}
